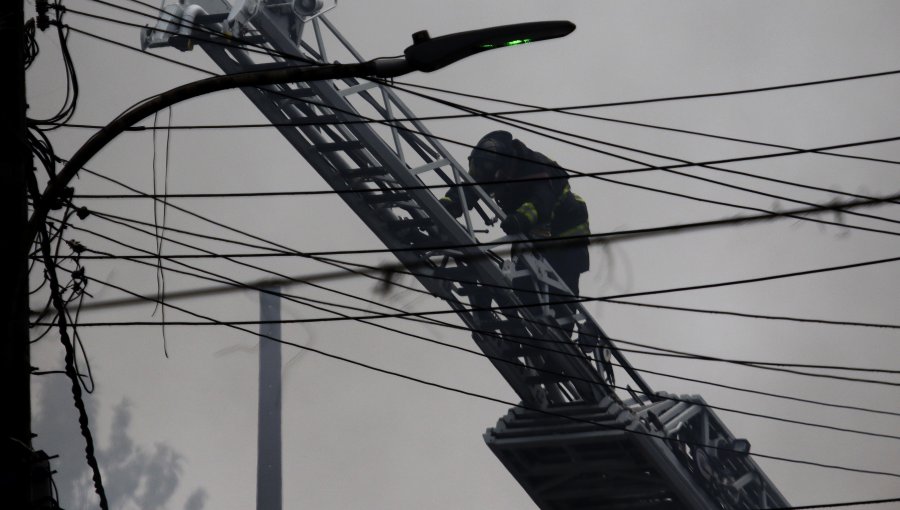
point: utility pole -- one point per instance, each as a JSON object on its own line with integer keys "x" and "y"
{"x": 268, "y": 451}
{"x": 426, "y": 54}
{"x": 14, "y": 358}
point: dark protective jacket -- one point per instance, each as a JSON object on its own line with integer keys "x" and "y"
{"x": 549, "y": 206}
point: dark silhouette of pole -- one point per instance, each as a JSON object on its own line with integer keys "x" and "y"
{"x": 268, "y": 443}
{"x": 14, "y": 358}
{"x": 426, "y": 54}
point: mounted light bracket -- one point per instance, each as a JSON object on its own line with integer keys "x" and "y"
{"x": 306, "y": 10}
{"x": 427, "y": 54}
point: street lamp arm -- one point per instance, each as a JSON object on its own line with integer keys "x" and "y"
{"x": 430, "y": 54}
{"x": 384, "y": 68}
{"x": 426, "y": 54}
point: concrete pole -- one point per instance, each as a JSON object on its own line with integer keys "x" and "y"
{"x": 268, "y": 463}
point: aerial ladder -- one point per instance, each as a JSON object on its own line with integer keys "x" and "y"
{"x": 589, "y": 432}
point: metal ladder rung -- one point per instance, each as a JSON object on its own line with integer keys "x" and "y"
{"x": 209, "y": 19}
{"x": 321, "y": 119}
{"x": 387, "y": 198}
{"x": 413, "y": 223}
{"x": 430, "y": 166}
{"x": 265, "y": 66}
{"x": 366, "y": 173}
{"x": 339, "y": 146}
{"x": 356, "y": 89}
{"x": 300, "y": 92}
{"x": 546, "y": 378}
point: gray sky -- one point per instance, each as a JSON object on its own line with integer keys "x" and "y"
{"x": 357, "y": 439}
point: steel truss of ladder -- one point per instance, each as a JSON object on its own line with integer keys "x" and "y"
{"x": 364, "y": 141}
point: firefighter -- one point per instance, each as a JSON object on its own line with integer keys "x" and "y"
{"x": 542, "y": 206}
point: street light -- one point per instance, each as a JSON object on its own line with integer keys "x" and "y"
{"x": 426, "y": 55}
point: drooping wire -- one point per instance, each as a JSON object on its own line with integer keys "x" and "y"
{"x": 675, "y": 376}
{"x": 70, "y": 368}
{"x": 705, "y": 95}
{"x": 529, "y": 108}
{"x": 219, "y": 224}
{"x": 839, "y": 505}
{"x": 31, "y": 46}
{"x": 543, "y": 131}
{"x": 67, "y": 109}
{"x": 663, "y": 352}
{"x": 485, "y": 397}
{"x": 567, "y": 110}
{"x": 228, "y": 281}
{"x": 671, "y": 167}
{"x": 160, "y": 273}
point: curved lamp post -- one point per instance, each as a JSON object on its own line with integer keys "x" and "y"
{"x": 426, "y": 54}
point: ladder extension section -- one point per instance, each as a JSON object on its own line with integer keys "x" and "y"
{"x": 580, "y": 439}
{"x": 380, "y": 164}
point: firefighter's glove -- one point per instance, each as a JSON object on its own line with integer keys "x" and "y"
{"x": 453, "y": 207}
{"x": 515, "y": 223}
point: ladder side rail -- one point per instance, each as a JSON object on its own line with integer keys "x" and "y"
{"x": 515, "y": 375}
{"x": 733, "y": 478}
{"x": 419, "y": 136}
{"x": 590, "y": 324}
{"x": 419, "y": 144}
{"x": 422, "y": 136}
{"x": 451, "y": 231}
{"x": 574, "y": 363}
{"x": 763, "y": 490}
{"x": 418, "y": 125}
{"x": 426, "y": 199}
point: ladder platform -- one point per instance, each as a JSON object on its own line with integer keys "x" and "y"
{"x": 591, "y": 461}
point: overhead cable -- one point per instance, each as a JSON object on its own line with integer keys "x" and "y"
{"x": 508, "y": 403}
{"x": 664, "y": 352}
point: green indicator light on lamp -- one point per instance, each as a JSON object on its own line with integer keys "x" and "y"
{"x": 516, "y": 42}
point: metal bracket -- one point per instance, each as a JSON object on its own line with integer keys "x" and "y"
{"x": 310, "y": 6}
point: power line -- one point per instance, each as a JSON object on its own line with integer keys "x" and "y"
{"x": 686, "y": 175}
{"x": 262, "y": 286}
{"x": 363, "y": 320}
{"x": 664, "y": 352}
{"x": 518, "y": 405}
{"x": 565, "y": 110}
{"x": 399, "y": 268}
{"x": 593, "y": 237}
{"x": 420, "y": 314}
{"x": 489, "y": 333}
{"x": 370, "y": 270}
{"x": 211, "y": 40}
{"x": 670, "y": 167}
{"x": 704, "y": 95}
{"x": 837, "y": 505}
{"x": 580, "y": 299}
{"x": 123, "y": 45}
{"x": 519, "y": 123}
{"x": 543, "y": 109}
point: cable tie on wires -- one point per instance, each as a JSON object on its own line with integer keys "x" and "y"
{"x": 62, "y": 199}
{"x": 76, "y": 247}
{"x": 43, "y": 21}
{"x": 82, "y": 212}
